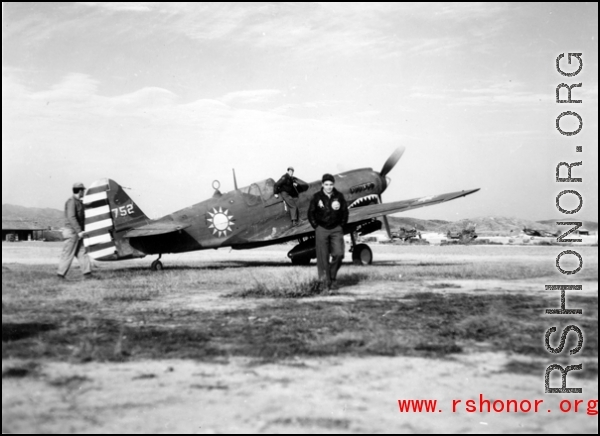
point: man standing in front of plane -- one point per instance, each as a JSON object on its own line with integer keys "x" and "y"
{"x": 328, "y": 214}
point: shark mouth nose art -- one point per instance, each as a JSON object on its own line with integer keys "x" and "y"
{"x": 363, "y": 201}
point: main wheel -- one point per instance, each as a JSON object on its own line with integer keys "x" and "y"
{"x": 362, "y": 255}
{"x": 156, "y": 266}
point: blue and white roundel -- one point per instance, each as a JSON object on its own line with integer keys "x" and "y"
{"x": 221, "y": 222}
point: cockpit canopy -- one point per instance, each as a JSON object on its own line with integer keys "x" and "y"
{"x": 261, "y": 192}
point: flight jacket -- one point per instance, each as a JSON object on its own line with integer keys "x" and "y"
{"x": 328, "y": 212}
{"x": 286, "y": 184}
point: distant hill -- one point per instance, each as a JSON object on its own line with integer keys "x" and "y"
{"x": 498, "y": 224}
{"x": 409, "y": 223}
{"x": 489, "y": 225}
{"x": 45, "y": 217}
{"x": 592, "y": 226}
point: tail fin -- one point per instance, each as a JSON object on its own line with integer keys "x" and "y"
{"x": 109, "y": 213}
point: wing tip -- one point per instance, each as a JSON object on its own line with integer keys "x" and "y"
{"x": 471, "y": 191}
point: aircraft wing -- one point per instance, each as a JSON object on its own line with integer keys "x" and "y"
{"x": 373, "y": 211}
{"x": 376, "y": 210}
{"x": 156, "y": 228}
{"x": 302, "y": 229}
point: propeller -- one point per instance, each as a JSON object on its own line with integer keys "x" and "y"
{"x": 392, "y": 161}
{"x": 387, "y": 167}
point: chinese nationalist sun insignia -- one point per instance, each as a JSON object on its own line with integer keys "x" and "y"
{"x": 220, "y": 221}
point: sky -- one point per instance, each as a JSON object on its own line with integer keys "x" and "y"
{"x": 164, "y": 98}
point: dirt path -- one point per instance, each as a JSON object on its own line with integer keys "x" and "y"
{"x": 350, "y": 395}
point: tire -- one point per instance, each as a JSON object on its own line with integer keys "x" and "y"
{"x": 156, "y": 266}
{"x": 362, "y": 255}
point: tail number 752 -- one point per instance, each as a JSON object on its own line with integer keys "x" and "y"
{"x": 123, "y": 210}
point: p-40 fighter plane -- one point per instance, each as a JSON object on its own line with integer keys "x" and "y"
{"x": 244, "y": 218}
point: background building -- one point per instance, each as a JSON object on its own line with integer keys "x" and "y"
{"x": 16, "y": 230}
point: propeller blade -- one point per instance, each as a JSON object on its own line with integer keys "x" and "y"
{"x": 392, "y": 161}
{"x": 387, "y": 167}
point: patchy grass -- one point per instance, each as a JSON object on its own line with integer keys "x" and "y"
{"x": 130, "y": 295}
{"x": 69, "y": 382}
{"x": 467, "y": 271}
{"x": 444, "y": 286}
{"x": 485, "y": 326}
{"x": 133, "y": 313}
{"x": 25, "y": 369}
{"x": 297, "y": 284}
{"x": 314, "y": 422}
{"x": 420, "y": 324}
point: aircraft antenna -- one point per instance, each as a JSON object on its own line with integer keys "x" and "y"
{"x": 234, "y": 179}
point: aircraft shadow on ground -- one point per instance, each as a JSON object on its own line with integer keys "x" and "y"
{"x": 271, "y": 264}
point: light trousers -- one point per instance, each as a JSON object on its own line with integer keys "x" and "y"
{"x": 73, "y": 247}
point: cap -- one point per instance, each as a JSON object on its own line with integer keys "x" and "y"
{"x": 290, "y": 168}
{"x": 78, "y": 186}
{"x": 326, "y": 177}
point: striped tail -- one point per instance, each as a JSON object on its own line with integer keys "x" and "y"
{"x": 109, "y": 213}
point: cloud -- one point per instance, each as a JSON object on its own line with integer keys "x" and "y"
{"x": 500, "y": 93}
{"x": 291, "y": 108}
{"x": 74, "y": 87}
{"x": 121, "y": 6}
{"x": 76, "y": 96}
{"x": 433, "y": 46}
{"x": 71, "y": 130}
{"x": 146, "y": 98}
{"x": 492, "y": 95}
{"x": 250, "y": 97}
{"x": 427, "y": 96}
{"x": 587, "y": 94}
{"x": 306, "y": 29}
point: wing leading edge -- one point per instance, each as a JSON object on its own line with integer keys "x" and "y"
{"x": 376, "y": 210}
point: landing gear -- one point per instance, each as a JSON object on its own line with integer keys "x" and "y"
{"x": 362, "y": 255}
{"x": 157, "y": 264}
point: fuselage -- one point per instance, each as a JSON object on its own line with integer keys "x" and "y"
{"x": 251, "y": 216}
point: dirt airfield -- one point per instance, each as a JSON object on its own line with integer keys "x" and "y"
{"x": 249, "y": 377}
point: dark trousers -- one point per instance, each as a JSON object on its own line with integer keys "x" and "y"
{"x": 292, "y": 204}
{"x": 329, "y": 243}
